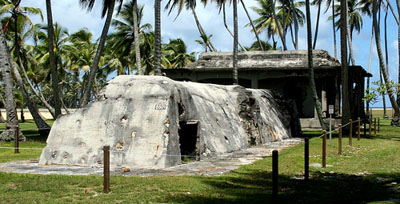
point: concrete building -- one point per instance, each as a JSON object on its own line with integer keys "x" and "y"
{"x": 286, "y": 72}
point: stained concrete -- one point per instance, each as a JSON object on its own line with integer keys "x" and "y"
{"x": 142, "y": 117}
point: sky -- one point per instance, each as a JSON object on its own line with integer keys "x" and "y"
{"x": 71, "y": 15}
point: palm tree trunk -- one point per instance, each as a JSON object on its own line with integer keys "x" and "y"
{"x": 201, "y": 30}
{"x": 394, "y": 14}
{"x": 157, "y": 49}
{"x": 317, "y": 103}
{"x": 99, "y": 51}
{"x": 229, "y": 31}
{"x": 351, "y": 53}
{"x": 395, "y": 120}
{"x": 235, "y": 43}
{"x": 53, "y": 66}
{"x": 40, "y": 123}
{"x": 278, "y": 25}
{"x": 369, "y": 66}
{"x": 11, "y": 110}
{"x": 345, "y": 71}
{"x": 333, "y": 29}
{"x": 296, "y": 25}
{"x": 317, "y": 25}
{"x": 387, "y": 65}
{"x": 38, "y": 94}
{"x": 252, "y": 25}
{"x": 398, "y": 47}
{"x": 137, "y": 43}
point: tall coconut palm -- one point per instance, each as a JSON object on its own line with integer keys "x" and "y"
{"x": 157, "y": 31}
{"x": 108, "y": 8}
{"x": 190, "y": 5}
{"x": 19, "y": 21}
{"x": 235, "y": 44}
{"x": 127, "y": 37}
{"x": 227, "y": 27}
{"x": 136, "y": 33}
{"x": 354, "y": 9}
{"x": 5, "y": 65}
{"x": 279, "y": 23}
{"x": 388, "y": 86}
{"x": 53, "y": 65}
{"x": 398, "y": 46}
{"x": 317, "y": 103}
{"x": 176, "y": 53}
{"x": 345, "y": 72}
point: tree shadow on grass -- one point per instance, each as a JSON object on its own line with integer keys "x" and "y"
{"x": 255, "y": 187}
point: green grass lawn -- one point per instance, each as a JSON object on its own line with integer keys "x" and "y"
{"x": 367, "y": 172}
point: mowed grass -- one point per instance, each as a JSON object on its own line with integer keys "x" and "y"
{"x": 367, "y": 172}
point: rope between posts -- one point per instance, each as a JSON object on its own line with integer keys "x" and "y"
{"x": 338, "y": 128}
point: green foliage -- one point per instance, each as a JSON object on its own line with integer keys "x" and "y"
{"x": 379, "y": 89}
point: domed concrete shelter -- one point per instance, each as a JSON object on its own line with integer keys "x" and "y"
{"x": 283, "y": 71}
{"x": 152, "y": 122}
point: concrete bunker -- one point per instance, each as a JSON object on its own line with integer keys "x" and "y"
{"x": 153, "y": 122}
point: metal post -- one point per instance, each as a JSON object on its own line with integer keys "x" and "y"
{"x": 106, "y": 175}
{"x": 330, "y": 129}
{"x": 16, "y": 140}
{"x": 340, "y": 140}
{"x": 351, "y": 133}
{"x": 306, "y": 158}
{"x": 324, "y": 149}
{"x": 275, "y": 176}
{"x": 358, "y": 133}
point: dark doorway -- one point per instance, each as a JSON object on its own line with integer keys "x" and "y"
{"x": 188, "y": 139}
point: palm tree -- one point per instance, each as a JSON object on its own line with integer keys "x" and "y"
{"x": 5, "y": 63}
{"x": 203, "y": 41}
{"x": 136, "y": 34}
{"x": 53, "y": 65}
{"x": 190, "y": 5}
{"x": 398, "y": 45}
{"x": 227, "y": 28}
{"x": 395, "y": 120}
{"x": 19, "y": 20}
{"x": 278, "y": 24}
{"x": 354, "y": 18}
{"x": 317, "y": 103}
{"x": 108, "y": 8}
{"x": 157, "y": 31}
{"x": 176, "y": 54}
{"x": 252, "y": 25}
{"x": 318, "y": 3}
{"x": 126, "y": 34}
{"x": 345, "y": 71}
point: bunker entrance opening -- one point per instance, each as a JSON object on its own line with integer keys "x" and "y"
{"x": 188, "y": 134}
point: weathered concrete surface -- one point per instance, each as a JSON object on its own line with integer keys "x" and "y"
{"x": 273, "y": 59}
{"x": 139, "y": 117}
{"x": 211, "y": 166}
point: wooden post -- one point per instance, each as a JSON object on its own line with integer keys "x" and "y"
{"x": 379, "y": 125}
{"x": 106, "y": 175}
{"x": 16, "y": 140}
{"x": 370, "y": 126}
{"x": 275, "y": 176}
{"x": 306, "y": 158}
{"x": 374, "y": 126}
{"x": 359, "y": 124}
{"x": 351, "y": 133}
{"x": 324, "y": 149}
{"x": 340, "y": 140}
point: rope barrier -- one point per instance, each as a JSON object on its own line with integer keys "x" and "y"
{"x": 338, "y": 128}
